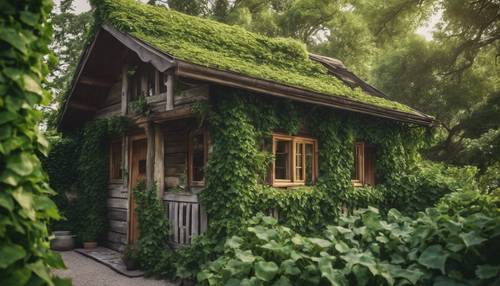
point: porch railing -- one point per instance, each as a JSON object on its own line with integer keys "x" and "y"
{"x": 186, "y": 216}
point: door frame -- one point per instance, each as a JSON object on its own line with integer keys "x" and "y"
{"x": 131, "y": 211}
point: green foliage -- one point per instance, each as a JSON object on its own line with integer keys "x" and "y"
{"x": 71, "y": 29}
{"x": 25, "y": 204}
{"x": 61, "y": 166}
{"x": 78, "y": 171}
{"x": 153, "y": 228}
{"x": 93, "y": 181}
{"x": 366, "y": 249}
{"x": 230, "y": 48}
{"x": 140, "y": 107}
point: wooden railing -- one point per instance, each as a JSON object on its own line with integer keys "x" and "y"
{"x": 186, "y": 216}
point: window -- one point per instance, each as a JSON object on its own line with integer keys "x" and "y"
{"x": 364, "y": 164}
{"x": 294, "y": 161}
{"x": 116, "y": 160}
{"x": 197, "y": 158}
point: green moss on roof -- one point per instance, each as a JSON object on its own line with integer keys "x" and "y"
{"x": 230, "y": 48}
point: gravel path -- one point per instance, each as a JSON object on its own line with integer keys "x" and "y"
{"x": 87, "y": 272}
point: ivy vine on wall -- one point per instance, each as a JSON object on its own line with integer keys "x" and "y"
{"x": 78, "y": 170}
{"x": 25, "y": 204}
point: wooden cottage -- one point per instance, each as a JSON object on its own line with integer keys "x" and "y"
{"x": 170, "y": 62}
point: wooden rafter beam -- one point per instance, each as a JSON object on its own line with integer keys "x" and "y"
{"x": 82, "y": 106}
{"x": 101, "y": 82}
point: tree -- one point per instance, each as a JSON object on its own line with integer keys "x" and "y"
{"x": 71, "y": 31}
{"x": 25, "y": 206}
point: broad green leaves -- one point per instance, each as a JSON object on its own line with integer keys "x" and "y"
{"x": 25, "y": 208}
{"x": 434, "y": 257}
{"x": 366, "y": 250}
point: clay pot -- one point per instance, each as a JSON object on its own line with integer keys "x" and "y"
{"x": 89, "y": 245}
{"x": 130, "y": 264}
{"x": 63, "y": 241}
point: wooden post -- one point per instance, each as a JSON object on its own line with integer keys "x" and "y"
{"x": 170, "y": 91}
{"x": 124, "y": 89}
{"x": 159, "y": 173}
{"x": 125, "y": 169}
{"x": 150, "y": 155}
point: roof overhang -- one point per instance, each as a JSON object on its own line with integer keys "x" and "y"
{"x": 198, "y": 72}
{"x": 163, "y": 61}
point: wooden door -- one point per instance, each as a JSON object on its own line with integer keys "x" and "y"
{"x": 137, "y": 174}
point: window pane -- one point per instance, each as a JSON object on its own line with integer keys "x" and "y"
{"x": 299, "y": 161}
{"x": 163, "y": 82}
{"x": 198, "y": 158}
{"x": 116, "y": 160}
{"x": 309, "y": 164}
{"x": 282, "y": 160}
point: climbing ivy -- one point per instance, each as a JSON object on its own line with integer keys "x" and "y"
{"x": 78, "y": 170}
{"x": 25, "y": 205}
{"x": 239, "y": 122}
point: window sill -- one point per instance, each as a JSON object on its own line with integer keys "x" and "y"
{"x": 288, "y": 184}
{"x": 357, "y": 183}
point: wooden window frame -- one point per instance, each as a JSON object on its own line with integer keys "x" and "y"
{"x": 111, "y": 166}
{"x": 293, "y": 181}
{"x": 190, "y": 157}
{"x": 360, "y": 179}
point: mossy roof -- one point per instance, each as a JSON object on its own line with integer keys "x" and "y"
{"x": 231, "y": 48}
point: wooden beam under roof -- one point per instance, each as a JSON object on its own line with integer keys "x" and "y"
{"x": 82, "y": 106}
{"x": 101, "y": 82}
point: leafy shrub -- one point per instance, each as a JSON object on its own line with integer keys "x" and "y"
{"x": 153, "y": 228}
{"x": 25, "y": 204}
{"x": 417, "y": 189}
{"x": 61, "y": 167}
{"x": 364, "y": 249}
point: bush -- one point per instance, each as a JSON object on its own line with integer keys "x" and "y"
{"x": 153, "y": 250}
{"x": 25, "y": 205}
{"x": 364, "y": 249}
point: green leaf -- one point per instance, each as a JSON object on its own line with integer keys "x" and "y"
{"x": 32, "y": 85}
{"x": 366, "y": 259}
{"x": 472, "y": 238}
{"x": 487, "y": 271}
{"x": 341, "y": 247}
{"x": 41, "y": 271}
{"x": 6, "y": 201}
{"x": 434, "y": 257}
{"x": 282, "y": 281}
{"x": 234, "y": 242}
{"x": 413, "y": 276}
{"x": 288, "y": 267}
{"x": 335, "y": 277}
{"x": 10, "y": 253}
{"x": 323, "y": 243}
{"x": 29, "y": 18}
{"x": 245, "y": 256}
{"x": 14, "y": 38}
{"x": 24, "y": 199}
{"x": 22, "y": 164}
{"x": 266, "y": 270}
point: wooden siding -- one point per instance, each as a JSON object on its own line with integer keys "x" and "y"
{"x": 117, "y": 203}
